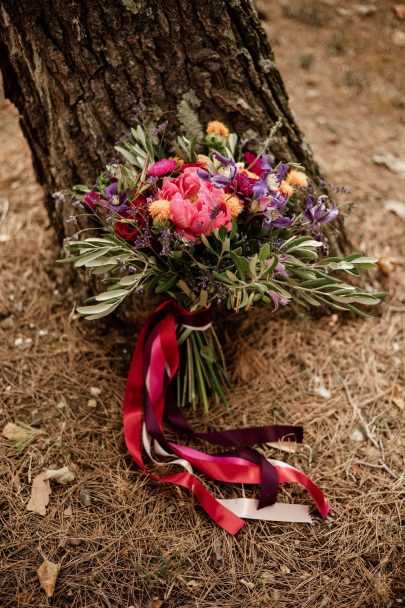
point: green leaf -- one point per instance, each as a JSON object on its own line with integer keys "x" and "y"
{"x": 233, "y": 230}
{"x": 93, "y": 255}
{"x": 166, "y": 285}
{"x": 264, "y": 252}
{"x": 252, "y": 267}
{"x": 103, "y": 307}
{"x": 222, "y": 233}
{"x": 242, "y": 265}
{"x": 111, "y": 295}
{"x": 365, "y": 262}
{"x": 128, "y": 155}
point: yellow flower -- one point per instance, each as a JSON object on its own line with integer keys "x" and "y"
{"x": 297, "y": 178}
{"x": 234, "y": 205}
{"x": 215, "y": 127}
{"x": 160, "y": 210}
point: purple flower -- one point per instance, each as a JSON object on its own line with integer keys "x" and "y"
{"x": 117, "y": 203}
{"x": 274, "y": 221}
{"x": 111, "y": 190}
{"x": 268, "y": 181}
{"x": 220, "y": 180}
{"x": 282, "y": 169}
{"x": 273, "y": 217}
{"x": 318, "y": 214}
{"x": 277, "y": 299}
{"x": 280, "y": 268}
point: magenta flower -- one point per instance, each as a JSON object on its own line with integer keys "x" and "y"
{"x": 91, "y": 199}
{"x": 162, "y": 167}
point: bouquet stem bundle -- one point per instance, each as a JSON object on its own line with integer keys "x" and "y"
{"x": 203, "y": 371}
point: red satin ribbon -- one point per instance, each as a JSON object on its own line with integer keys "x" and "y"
{"x": 154, "y": 365}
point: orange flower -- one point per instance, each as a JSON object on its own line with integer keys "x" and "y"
{"x": 286, "y": 188}
{"x": 249, "y": 173}
{"x": 178, "y": 160}
{"x": 160, "y": 210}
{"x": 215, "y": 127}
{"x": 234, "y": 205}
{"x": 297, "y": 178}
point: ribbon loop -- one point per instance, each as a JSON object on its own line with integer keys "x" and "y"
{"x": 149, "y": 397}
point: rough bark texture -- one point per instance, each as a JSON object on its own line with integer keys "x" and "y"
{"x": 80, "y": 71}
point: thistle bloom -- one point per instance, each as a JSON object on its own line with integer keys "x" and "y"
{"x": 162, "y": 167}
{"x": 318, "y": 214}
{"x": 244, "y": 182}
{"x": 216, "y": 127}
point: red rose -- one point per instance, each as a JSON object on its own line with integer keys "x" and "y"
{"x": 128, "y": 232}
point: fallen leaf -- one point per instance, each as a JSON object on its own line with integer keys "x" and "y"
{"x": 68, "y": 512}
{"x": 155, "y": 603}
{"x": 396, "y": 207}
{"x": 320, "y": 389}
{"x": 15, "y": 432}
{"x": 47, "y": 574}
{"x": 62, "y": 475}
{"x": 398, "y": 38}
{"x": 399, "y": 10}
{"x": 95, "y": 391}
{"x": 357, "y": 435}
{"x": 284, "y": 446}
{"x": 285, "y": 569}
{"x": 7, "y": 323}
{"x": 21, "y": 434}
{"x": 192, "y": 583}
{"x": 394, "y": 164}
{"x": 85, "y": 498}
{"x": 248, "y": 584}
{"x": 365, "y": 10}
{"x": 40, "y": 493}
{"x": 399, "y": 402}
{"x": 386, "y": 267}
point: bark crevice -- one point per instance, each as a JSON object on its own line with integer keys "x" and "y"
{"x": 79, "y": 72}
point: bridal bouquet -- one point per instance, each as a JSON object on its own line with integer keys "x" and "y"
{"x": 209, "y": 223}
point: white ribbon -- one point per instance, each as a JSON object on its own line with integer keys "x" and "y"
{"x": 242, "y": 507}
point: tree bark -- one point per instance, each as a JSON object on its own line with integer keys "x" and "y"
{"x": 80, "y": 72}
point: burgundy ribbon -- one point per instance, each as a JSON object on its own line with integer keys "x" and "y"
{"x": 155, "y": 362}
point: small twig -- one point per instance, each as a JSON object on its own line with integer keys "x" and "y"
{"x": 381, "y": 465}
{"x": 360, "y": 416}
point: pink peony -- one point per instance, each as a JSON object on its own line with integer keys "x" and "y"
{"x": 162, "y": 167}
{"x": 196, "y": 206}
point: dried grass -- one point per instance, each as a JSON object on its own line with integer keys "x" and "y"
{"x": 138, "y": 540}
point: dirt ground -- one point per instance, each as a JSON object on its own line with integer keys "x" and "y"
{"x": 122, "y": 540}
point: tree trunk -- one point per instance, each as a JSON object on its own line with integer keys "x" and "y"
{"x": 80, "y": 72}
